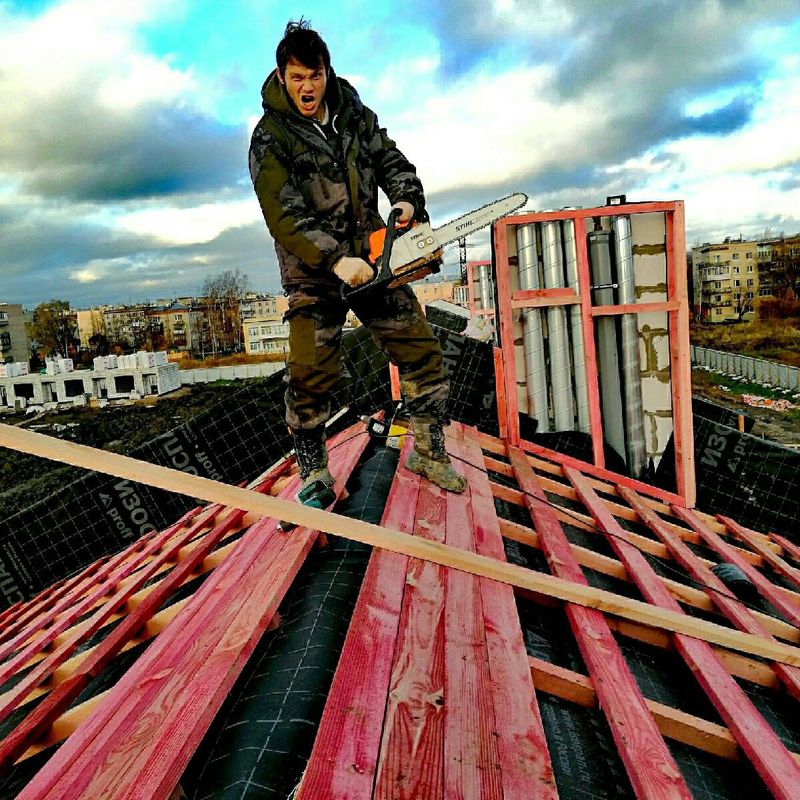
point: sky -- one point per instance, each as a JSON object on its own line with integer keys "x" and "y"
{"x": 124, "y": 126}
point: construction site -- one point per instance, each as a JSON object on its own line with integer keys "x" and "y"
{"x": 611, "y": 609}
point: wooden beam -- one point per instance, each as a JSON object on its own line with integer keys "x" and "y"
{"x": 754, "y": 735}
{"x": 792, "y": 574}
{"x": 411, "y": 756}
{"x": 345, "y": 755}
{"x": 788, "y": 607}
{"x": 520, "y": 722}
{"x": 732, "y": 608}
{"x": 673, "y": 723}
{"x": 366, "y": 533}
{"x": 789, "y": 547}
{"x": 650, "y": 766}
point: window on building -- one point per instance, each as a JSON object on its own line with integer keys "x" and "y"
{"x": 255, "y": 346}
{"x": 750, "y": 281}
{"x": 252, "y": 332}
{"x": 265, "y": 330}
{"x": 750, "y": 295}
{"x": 718, "y": 298}
{"x": 717, "y": 312}
{"x": 749, "y": 267}
{"x": 735, "y": 256}
{"x": 736, "y": 270}
{"x": 749, "y": 255}
{"x": 737, "y": 283}
{"x": 716, "y": 259}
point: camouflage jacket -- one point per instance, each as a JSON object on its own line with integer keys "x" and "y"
{"x": 318, "y": 192}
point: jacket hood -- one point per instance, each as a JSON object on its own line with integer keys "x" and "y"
{"x": 338, "y": 94}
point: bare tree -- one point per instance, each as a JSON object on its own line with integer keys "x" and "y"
{"x": 742, "y": 304}
{"x": 223, "y": 294}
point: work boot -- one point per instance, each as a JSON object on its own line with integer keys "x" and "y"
{"x": 429, "y": 457}
{"x": 312, "y": 455}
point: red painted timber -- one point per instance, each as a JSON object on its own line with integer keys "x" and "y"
{"x": 99, "y": 577}
{"x": 410, "y": 760}
{"x": 768, "y": 590}
{"x": 471, "y": 759}
{"x": 789, "y": 547}
{"x": 345, "y": 755}
{"x": 789, "y": 572}
{"x": 91, "y": 747}
{"x": 720, "y": 595}
{"x": 90, "y": 757}
{"x": 135, "y": 557}
{"x": 650, "y": 766}
{"x": 66, "y": 603}
{"x": 758, "y": 741}
{"x": 526, "y": 769}
{"x": 62, "y": 696}
{"x": 597, "y": 472}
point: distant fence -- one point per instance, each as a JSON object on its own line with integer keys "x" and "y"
{"x": 236, "y": 373}
{"x": 757, "y": 370}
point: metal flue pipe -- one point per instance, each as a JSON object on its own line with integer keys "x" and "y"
{"x": 576, "y": 328}
{"x": 557, "y": 338}
{"x": 636, "y": 454}
{"x": 533, "y": 340}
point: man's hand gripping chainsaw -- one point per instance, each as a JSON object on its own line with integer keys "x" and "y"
{"x": 405, "y": 252}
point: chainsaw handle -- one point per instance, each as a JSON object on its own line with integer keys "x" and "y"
{"x": 380, "y": 266}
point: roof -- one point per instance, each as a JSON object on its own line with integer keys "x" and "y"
{"x": 445, "y": 679}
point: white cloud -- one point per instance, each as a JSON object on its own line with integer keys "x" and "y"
{"x": 196, "y": 225}
{"x": 492, "y": 127}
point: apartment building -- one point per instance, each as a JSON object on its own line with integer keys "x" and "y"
{"x": 14, "y": 344}
{"x": 726, "y": 280}
{"x": 267, "y": 334}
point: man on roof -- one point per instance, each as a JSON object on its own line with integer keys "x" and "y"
{"x": 317, "y": 159}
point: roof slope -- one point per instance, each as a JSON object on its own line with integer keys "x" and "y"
{"x": 443, "y": 681}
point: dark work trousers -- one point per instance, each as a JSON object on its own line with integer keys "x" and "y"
{"x": 398, "y": 326}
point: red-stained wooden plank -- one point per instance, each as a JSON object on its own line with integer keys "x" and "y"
{"x": 65, "y": 603}
{"x": 115, "y": 749}
{"x": 768, "y": 590}
{"x": 500, "y": 384}
{"x": 789, "y": 547}
{"x": 596, "y": 472}
{"x": 680, "y": 360}
{"x": 134, "y": 557}
{"x": 525, "y": 765}
{"x": 757, "y": 739}
{"x": 62, "y": 695}
{"x": 410, "y": 760}
{"x": 789, "y": 572}
{"x": 471, "y": 759}
{"x": 505, "y": 326}
{"x": 345, "y": 755}
{"x": 648, "y": 761}
{"x": 720, "y": 595}
{"x": 70, "y": 601}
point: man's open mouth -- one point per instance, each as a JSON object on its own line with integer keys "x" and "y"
{"x": 307, "y": 99}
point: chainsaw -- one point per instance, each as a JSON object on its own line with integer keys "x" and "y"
{"x": 405, "y": 252}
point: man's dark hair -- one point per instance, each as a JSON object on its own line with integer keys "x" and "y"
{"x": 304, "y": 44}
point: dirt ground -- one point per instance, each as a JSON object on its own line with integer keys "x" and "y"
{"x": 25, "y": 479}
{"x": 780, "y": 426}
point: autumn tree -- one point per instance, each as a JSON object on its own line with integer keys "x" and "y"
{"x": 224, "y": 293}
{"x": 54, "y": 328}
